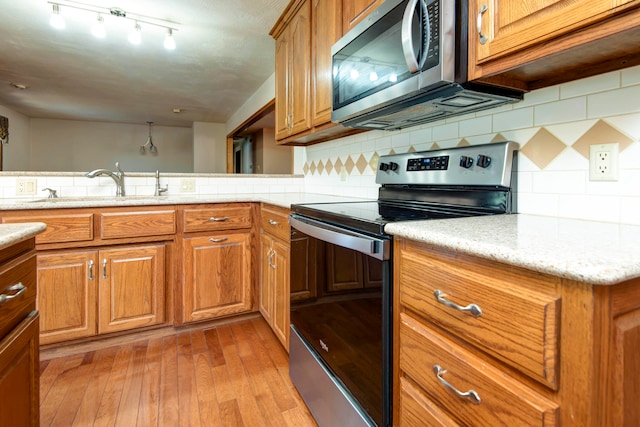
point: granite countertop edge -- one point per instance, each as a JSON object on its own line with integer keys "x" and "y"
{"x": 592, "y": 252}
{"x": 11, "y": 234}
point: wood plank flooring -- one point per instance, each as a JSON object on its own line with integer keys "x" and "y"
{"x": 231, "y": 375}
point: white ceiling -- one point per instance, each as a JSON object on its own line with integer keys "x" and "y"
{"x": 224, "y": 53}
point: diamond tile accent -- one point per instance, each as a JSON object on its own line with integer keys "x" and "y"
{"x": 349, "y": 164}
{"x": 392, "y": 151}
{"x": 362, "y": 164}
{"x": 329, "y": 167}
{"x": 463, "y": 143}
{"x": 320, "y": 167}
{"x": 373, "y": 162}
{"x": 498, "y": 138}
{"x": 543, "y": 148}
{"x": 601, "y": 133}
{"x": 313, "y": 168}
{"x": 435, "y": 146}
{"x": 305, "y": 168}
{"x": 338, "y": 165}
{"x": 411, "y": 149}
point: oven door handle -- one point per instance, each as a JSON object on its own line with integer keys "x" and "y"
{"x": 376, "y": 248}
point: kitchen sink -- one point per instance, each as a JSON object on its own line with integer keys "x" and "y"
{"x": 95, "y": 199}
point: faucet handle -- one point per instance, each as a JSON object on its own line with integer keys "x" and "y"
{"x": 118, "y": 168}
{"x": 53, "y": 194}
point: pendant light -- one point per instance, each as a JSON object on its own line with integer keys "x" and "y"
{"x": 152, "y": 148}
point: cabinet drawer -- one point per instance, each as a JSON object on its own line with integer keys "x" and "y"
{"x": 503, "y": 401}
{"x": 18, "y": 284}
{"x": 517, "y": 324}
{"x": 417, "y": 410}
{"x": 114, "y": 225}
{"x": 275, "y": 222}
{"x": 222, "y": 217}
{"x": 60, "y": 228}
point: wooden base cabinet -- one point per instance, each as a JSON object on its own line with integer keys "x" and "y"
{"x": 19, "y": 375}
{"x": 274, "y": 290}
{"x": 482, "y": 343}
{"x": 89, "y": 292}
{"x": 217, "y": 275}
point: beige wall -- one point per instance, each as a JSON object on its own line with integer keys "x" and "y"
{"x": 270, "y": 157}
{"x": 15, "y": 155}
{"x": 68, "y": 145}
{"x": 259, "y": 99}
{"x": 209, "y": 147}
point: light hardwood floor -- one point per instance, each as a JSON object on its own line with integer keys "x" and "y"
{"x": 230, "y": 375}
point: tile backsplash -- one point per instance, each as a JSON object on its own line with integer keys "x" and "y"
{"x": 554, "y": 127}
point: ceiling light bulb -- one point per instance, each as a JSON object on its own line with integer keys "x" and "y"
{"x": 98, "y": 28}
{"x": 169, "y": 41}
{"x": 135, "y": 36}
{"x": 373, "y": 76}
{"x": 56, "y": 20}
{"x": 354, "y": 74}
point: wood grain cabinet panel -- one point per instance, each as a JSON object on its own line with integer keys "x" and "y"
{"x": 355, "y": 11}
{"x": 517, "y": 324}
{"x": 501, "y": 400}
{"x": 114, "y": 225}
{"x": 19, "y": 375}
{"x": 61, "y": 228}
{"x": 216, "y": 275}
{"x": 131, "y": 287}
{"x": 217, "y": 217}
{"x": 18, "y": 273}
{"x": 67, "y": 295}
{"x": 417, "y": 410}
{"x": 275, "y": 222}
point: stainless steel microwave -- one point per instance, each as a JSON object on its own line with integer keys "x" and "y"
{"x": 406, "y": 64}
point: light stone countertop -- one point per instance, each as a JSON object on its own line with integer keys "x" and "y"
{"x": 588, "y": 251}
{"x": 14, "y": 233}
{"x": 279, "y": 199}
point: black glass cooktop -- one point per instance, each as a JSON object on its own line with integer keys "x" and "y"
{"x": 368, "y": 216}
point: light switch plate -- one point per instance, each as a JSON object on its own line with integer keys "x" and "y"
{"x": 26, "y": 186}
{"x": 187, "y": 185}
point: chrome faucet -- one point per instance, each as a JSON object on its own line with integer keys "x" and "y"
{"x": 118, "y": 177}
{"x": 53, "y": 194}
{"x": 159, "y": 189}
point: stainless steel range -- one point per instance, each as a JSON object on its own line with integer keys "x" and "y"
{"x": 341, "y": 268}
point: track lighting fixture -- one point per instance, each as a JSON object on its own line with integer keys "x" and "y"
{"x": 98, "y": 29}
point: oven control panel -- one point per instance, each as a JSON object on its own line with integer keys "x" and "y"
{"x": 477, "y": 165}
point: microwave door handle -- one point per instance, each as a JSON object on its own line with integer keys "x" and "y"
{"x": 413, "y": 63}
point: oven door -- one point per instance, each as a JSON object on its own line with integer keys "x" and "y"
{"x": 340, "y": 345}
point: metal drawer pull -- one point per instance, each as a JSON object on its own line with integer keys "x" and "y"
{"x": 16, "y": 290}
{"x": 272, "y": 222}
{"x": 104, "y": 268}
{"x": 221, "y": 219}
{"x": 473, "y": 309}
{"x": 223, "y": 239}
{"x": 483, "y": 38}
{"x": 90, "y": 270}
{"x": 471, "y": 394}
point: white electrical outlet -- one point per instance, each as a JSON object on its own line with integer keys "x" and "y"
{"x": 26, "y": 186}
{"x": 187, "y": 185}
{"x": 603, "y": 162}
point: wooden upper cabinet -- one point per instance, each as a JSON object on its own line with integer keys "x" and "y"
{"x": 326, "y": 29}
{"x": 354, "y": 11}
{"x": 511, "y": 25}
{"x": 293, "y": 70}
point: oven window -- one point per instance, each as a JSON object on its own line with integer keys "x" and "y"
{"x": 337, "y": 307}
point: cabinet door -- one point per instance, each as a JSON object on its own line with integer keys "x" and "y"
{"x": 217, "y": 276}
{"x": 326, "y": 29}
{"x": 19, "y": 375}
{"x": 67, "y": 298}
{"x": 300, "y": 72}
{"x": 282, "y": 88}
{"x": 266, "y": 278}
{"x": 131, "y": 289}
{"x": 510, "y": 25}
{"x": 355, "y": 11}
{"x": 280, "y": 319}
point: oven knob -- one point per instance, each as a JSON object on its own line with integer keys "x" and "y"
{"x": 466, "y": 162}
{"x": 393, "y": 166}
{"x": 483, "y": 161}
{"x": 384, "y": 167}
